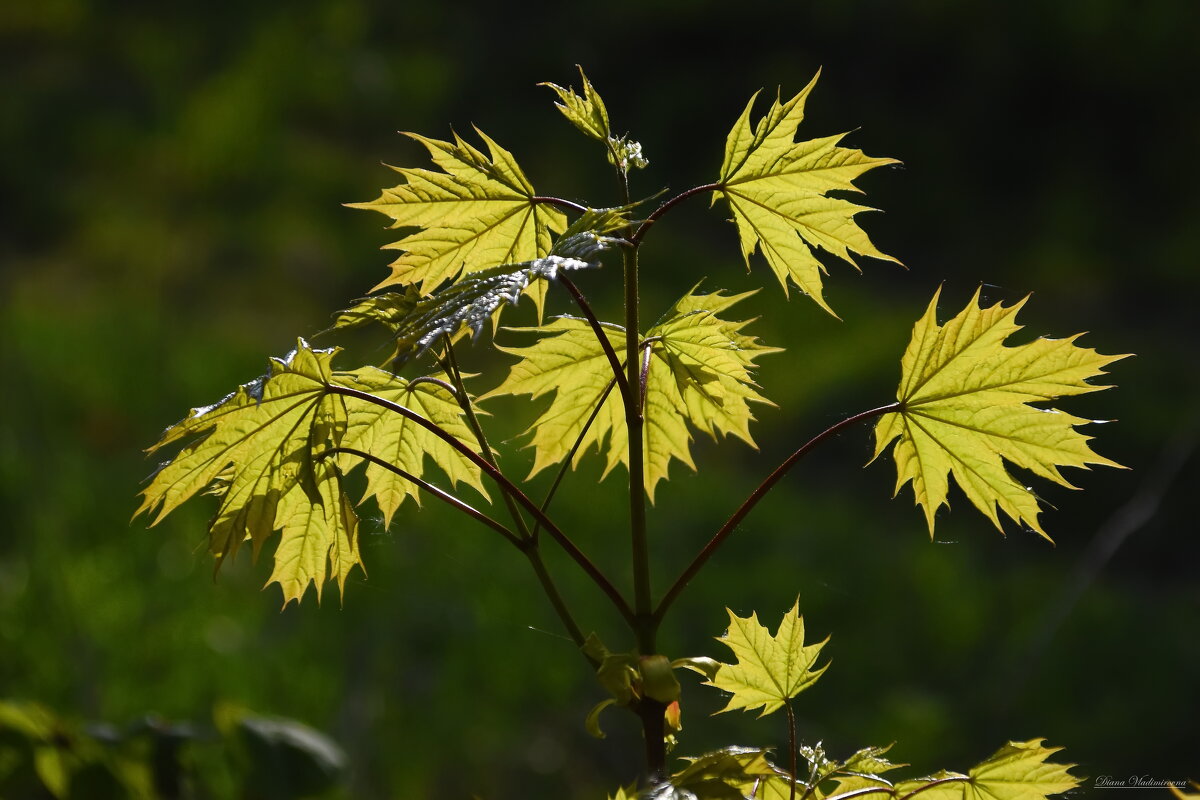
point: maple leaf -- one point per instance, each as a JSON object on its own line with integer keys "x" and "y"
{"x": 479, "y": 212}
{"x": 771, "y": 670}
{"x": 402, "y": 442}
{"x": 698, "y": 375}
{"x": 720, "y": 774}
{"x": 589, "y": 115}
{"x": 964, "y": 405}
{"x": 262, "y": 450}
{"x": 1017, "y": 771}
{"x": 777, "y": 189}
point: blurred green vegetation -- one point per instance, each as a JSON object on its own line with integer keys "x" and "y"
{"x": 171, "y": 177}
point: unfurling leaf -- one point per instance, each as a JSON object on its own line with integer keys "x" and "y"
{"x": 964, "y": 406}
{"x": 265, "y": 451}
{"x": 479, "y": 212}
{"x": 698, "y": 374}
{"x": 777, "y": 189}
{"x": 771, "y": 670}
{"x": 588, "y": 114}
{"x": 1017, "y": 771}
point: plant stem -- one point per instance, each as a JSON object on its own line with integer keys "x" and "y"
{"x": 791, "y": 718}
{"x": 598, "y": 577}
{"x": 468, "y": 407}
{"x": 640, "y": 233}
{"x": 750, "y": 502}
{"x": 644, "y": 628}
{"x": 562, "y": 470}
{"x": 652, "y": 713}
{"x": 440, "y": 494}
{"x": 558, "y": 201}
{"x": 560, "y": 607}
{"x": 601, "y": 337}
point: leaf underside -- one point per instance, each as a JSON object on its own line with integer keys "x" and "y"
{"x": 778, "y": 190}
{"x": 964, "y": 409}
{"x": 1017, "y": 771}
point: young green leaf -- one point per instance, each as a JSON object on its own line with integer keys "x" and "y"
{"x": 588, "y": 114}
{"x": 1017, "y": 771}
{"x": 777, "y": 189}
{"x": 771, "y": 669}
{"x": 698, "y": 374}
{"x": 402, "y": 442}
{"x": 964, "y": 405}
{"x": 479, "y": 212}
{"x": 263, "y": 450}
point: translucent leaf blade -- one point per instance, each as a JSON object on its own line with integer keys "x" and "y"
{"x": 964, "y": 411}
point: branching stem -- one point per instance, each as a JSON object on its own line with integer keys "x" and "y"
{"x": 598, "y": 577}
{"x": 601, "y": 337}
{"x": 639, "y": 234}
{"x": 750, "y": 502}
{"x": 440, "y": 494}
{"x": 566, "y": 464}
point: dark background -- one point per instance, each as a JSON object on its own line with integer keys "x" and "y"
{"x": 172, "y": 181}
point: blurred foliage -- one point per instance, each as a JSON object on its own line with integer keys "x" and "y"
{"x": 171, "y": 177}
{"x": 240, "y": 755}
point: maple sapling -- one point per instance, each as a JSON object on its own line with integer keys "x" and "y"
{"x": 476, "y": 238}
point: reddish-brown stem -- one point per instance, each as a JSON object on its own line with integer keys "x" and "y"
{"x": 750, "y": 502}
{"x": 637, "y": 236}
{"x": 598, "y": 577}
{"x": 440, "y": 494}
{"x": 558, "y": 201}
{"x": 598, "y": 329}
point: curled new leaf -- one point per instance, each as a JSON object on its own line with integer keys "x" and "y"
{"x": 964, "y": 406}
{"x": 588, "y": 114}
{"x": 777, "y": 189}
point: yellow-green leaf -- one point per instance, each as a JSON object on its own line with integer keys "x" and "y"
{"x": 587, "y": 113}
{"x": 777, "y": 189}
{"x": 402, "y": 442}
{"x": 479, "y": 212}
{"x": 264, "y": 451}
{"x": 699, "y": 377}
{"x": 1017, "y": 771}
{"x": 964, "y": 408}
{"x": 770, "y": 669}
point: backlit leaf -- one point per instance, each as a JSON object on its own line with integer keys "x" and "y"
{"x": 777, "y": 189}
{"x": 588, "y": 114}
{"x": 480, "y": 211}
{"x": 263, "y": 451}
{"x": 770, "y": 669}
{"x": 699, "y": 377}
{"x": 1017, "y": 771}
{"x": 964, "y": 406}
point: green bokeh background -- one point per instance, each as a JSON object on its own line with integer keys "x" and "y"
{"x": 172, "y": 178}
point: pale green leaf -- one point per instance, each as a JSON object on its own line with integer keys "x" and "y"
{"x": 698, "y": 377}
{"x": 778, "y": 190}
{"x": 588, "y": 114}
{"x": 964, "y": 408}
{"x": 770, "y": 669}
{"x": 479, "y": 212}
{"x": 731, "y": 772}
{"x": 264, "y": 450}
{"x": 402, "y": 442}
{"x": 1017, "y": 771}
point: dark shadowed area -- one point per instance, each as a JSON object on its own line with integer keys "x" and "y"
{"x": 173, "y": 177}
